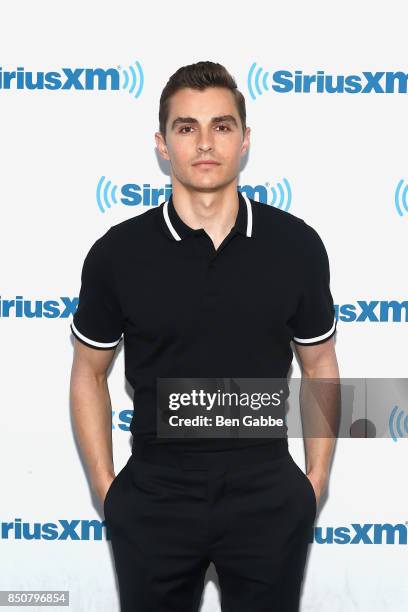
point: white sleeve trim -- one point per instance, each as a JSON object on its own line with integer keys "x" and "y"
{"x": 94, "y": 342}
{"x": 316, "y": 338}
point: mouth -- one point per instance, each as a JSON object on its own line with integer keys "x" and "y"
{"x": 206, "y": 163}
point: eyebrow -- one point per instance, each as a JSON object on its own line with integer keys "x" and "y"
{"x": 218, "y": 119}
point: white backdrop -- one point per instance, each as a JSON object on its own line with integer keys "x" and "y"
{"x": 342, "y": 155}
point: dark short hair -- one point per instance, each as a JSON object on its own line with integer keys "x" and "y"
{"x": 199, "y": 76}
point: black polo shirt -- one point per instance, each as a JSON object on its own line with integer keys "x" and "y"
{"x": 186, "y": 309}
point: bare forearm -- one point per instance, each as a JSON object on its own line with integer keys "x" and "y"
{"x": 320, "y": 407}
{"x": 319, "y": 453}
{"x": 92, "y": 418}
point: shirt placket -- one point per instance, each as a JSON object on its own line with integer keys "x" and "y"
{"x": 209, "y": 258}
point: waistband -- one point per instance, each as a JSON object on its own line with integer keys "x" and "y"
{"x": 174, "y": 455}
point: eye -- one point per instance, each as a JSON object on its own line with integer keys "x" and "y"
{"x": 225, "y": 128}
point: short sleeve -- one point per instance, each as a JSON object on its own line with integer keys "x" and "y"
{"x": 98, "y": 320}
{"x": 314, "y": 321}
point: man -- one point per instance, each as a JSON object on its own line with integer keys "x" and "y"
{"x": 210, "y": 283}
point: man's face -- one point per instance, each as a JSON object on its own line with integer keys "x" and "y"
{"x": 203, "y": 126}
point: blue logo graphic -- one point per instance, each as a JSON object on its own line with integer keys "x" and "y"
{"x": 76, "y": 530}
{"x": 122, "y": 419}
{"x": 133, "y": 79}
{"x": 20, "y": 308}
{"x": 363, "y": 533}
{"x": 286, "y": 81}
{"x": 105, "y": 194}
{"x": 375, "y": 311}
{"x": 108, "y": 194}
{"x": 398, "y": 424}
{"x": 400, "y": 199}
{"x": 285, "y": 195}
{"x": 130, "y": 79}
{"x": 255, "y": 82}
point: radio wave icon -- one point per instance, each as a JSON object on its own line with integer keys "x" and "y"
{"x": 399, "y": 423}
{"x": 401, "y": 199}
{"x": 133, "y": 79}
{"x": 257, "y": 81}
{"x": 105, "y": 194}
{"x": 281, "y": 195}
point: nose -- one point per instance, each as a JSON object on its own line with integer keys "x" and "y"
{"x": 205, "y": 142}
{"x": 204, "y": 147}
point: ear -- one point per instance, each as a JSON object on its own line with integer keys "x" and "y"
{"x": 161, "y": 145}
{"x": 246, "y": 141}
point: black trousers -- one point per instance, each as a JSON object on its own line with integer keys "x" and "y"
{"x": 170, "y": 513}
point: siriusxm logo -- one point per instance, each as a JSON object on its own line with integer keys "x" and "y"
{"x": 367, "y": 533}
{"x": 287, "y": 81}
{"x": 132, "y": 194}
{"x": 62, "y": 529}
{"x": 37, "y": 309}
{"x": 375, "y": 311}
{"x": 130, "y": 79}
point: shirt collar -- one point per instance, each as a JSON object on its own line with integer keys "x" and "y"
{"x": 175, "y": 228}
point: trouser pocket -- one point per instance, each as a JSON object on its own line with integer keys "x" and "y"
{"x": 308, "y": 487}
{"x": 110, "y": 494}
